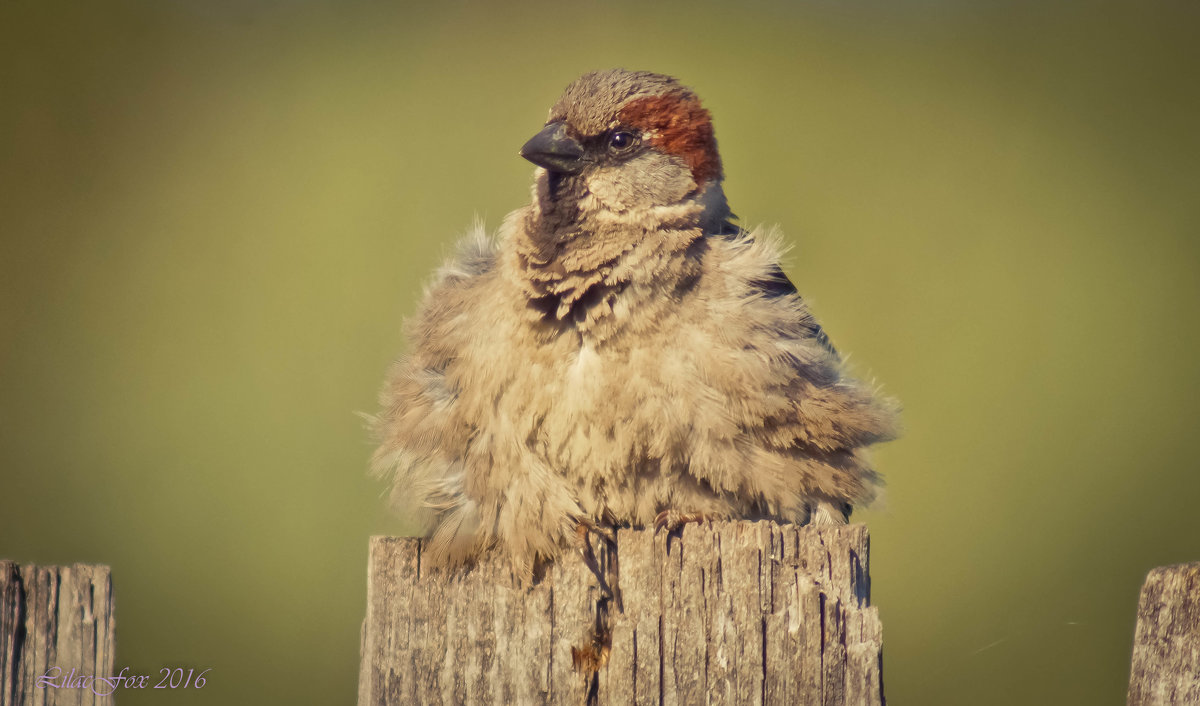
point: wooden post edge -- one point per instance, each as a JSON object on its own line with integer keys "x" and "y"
{"x": 1165, "y": 668}
{"x": 55, "y": 622}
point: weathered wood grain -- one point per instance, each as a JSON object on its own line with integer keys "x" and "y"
{"x": 1166, "y": 642}
{"x": 723, "y": 613}
{"x": 54, "y": 616}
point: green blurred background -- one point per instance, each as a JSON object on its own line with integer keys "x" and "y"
{"x": 214, "y": 216}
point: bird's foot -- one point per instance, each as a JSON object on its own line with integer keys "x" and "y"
{"x": 671, "y": 520}
{"x": 587, "y": 527}
{"x": 606, "y": 574}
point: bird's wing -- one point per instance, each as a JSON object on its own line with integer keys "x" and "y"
{"x": 775, "y": 284}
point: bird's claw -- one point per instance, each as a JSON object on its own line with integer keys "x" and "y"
{"x": 671, "y": 520}
{"x": 585, "y": 528}
{"x": 607, "y": 574}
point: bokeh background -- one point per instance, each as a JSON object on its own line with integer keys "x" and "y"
{"x": 214, "y": 216}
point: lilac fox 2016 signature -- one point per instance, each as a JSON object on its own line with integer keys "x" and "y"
{"x": 56, "y": 678}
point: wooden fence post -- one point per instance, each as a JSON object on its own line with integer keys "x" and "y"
{"x": 1166, "y": 642}
{"x": 727, "y": 613}
{"x": 54, "y": 616}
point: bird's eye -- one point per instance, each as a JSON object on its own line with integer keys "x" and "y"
{"x": 621, "y": 141}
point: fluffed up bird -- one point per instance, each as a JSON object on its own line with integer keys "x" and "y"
{"x": 620, "y": 353}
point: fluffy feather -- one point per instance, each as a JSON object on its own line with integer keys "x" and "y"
{"x": 619, "y": 351}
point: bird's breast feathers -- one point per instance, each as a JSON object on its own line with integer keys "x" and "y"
{"x": 722, "y": 356}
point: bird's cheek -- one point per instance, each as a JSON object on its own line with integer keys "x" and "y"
{"x": 646, "y": 181}
{"x": 608, "y": 188}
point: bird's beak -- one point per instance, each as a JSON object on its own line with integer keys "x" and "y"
{"x": 555, "y": 150}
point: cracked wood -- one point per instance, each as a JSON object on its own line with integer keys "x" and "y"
{"x": 724, "y": 613}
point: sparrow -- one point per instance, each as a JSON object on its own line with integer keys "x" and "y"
{"x": 620, "y": 353}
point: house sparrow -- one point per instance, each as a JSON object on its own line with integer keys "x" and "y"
{"x": 621, "y": 353}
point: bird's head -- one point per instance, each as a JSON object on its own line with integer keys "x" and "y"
{"x": 628, "y": 145}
